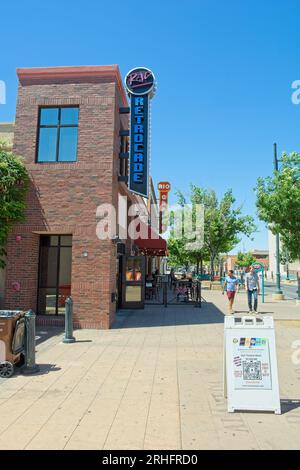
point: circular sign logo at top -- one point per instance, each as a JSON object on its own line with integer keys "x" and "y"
{"x": 140, "y": 81}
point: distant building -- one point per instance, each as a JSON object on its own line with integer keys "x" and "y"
{"x": 7, "y": 133}
{"x": 293, "y": 268}
{"x": 261, "y": 256}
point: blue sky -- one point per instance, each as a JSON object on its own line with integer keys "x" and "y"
{"x": 224, "y": 71}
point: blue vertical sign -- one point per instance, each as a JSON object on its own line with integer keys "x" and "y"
{"x": 139, "y": 158}
{"x": 140, "y": 84}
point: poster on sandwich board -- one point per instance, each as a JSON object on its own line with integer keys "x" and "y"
{"x": 250, "y": 365}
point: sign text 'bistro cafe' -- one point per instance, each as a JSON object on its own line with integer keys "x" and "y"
{"x": 140, "y": 84}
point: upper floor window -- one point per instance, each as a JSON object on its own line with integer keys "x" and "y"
{"x": 58, "y": 135}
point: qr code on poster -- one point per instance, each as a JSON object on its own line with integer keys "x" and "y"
{"x": 252, "y": 370}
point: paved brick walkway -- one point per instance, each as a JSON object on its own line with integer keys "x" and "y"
{"x": 152, "y": 382}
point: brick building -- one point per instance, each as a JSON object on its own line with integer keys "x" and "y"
{"x": 72, "y": 131}
{"x": 261, "y": 256}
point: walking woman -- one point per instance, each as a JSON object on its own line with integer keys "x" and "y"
{"x": 231, "y": 286}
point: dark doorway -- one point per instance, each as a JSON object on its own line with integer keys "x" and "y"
{"x": 55, "y": 272}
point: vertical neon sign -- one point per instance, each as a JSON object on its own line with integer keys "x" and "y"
{"x": 140, "y": 84}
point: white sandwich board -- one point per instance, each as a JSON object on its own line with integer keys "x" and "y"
{"x": 250, "y": 364}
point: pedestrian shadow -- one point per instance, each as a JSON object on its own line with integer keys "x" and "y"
{"x": 78, "y": 341}
{"x": 266, "y": 313}
{"x": 289, "y": 405}
{"x": 246, "y": 312}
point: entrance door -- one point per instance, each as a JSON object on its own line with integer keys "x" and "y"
{"x": 134, "y": 282}
{"x": 55, "y": 269}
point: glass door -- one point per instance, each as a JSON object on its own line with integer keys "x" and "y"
{"x": 55, "y": 272}
{"x": 134, "y": 282}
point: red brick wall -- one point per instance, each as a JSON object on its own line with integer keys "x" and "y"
{"x": 63, "y": 197}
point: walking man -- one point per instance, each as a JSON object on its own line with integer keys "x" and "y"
{"x": 252, "y": 288}
{"x": 231, "y": 286}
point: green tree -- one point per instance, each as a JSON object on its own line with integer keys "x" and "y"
{"x": 244, "y": 260}
{"x": 285, "y": 259}
{"x": 181, "y": 249}
{"x": 178, "y": 256}
{"x": 285, "y": 256}
{"x": 198, "y": 257}
{"x": 278, "y": 202}
{"x": 222, "y": 225}
{"x": 13, "y": 188}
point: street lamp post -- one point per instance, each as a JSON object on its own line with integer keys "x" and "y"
{"x": 278, "y": 293}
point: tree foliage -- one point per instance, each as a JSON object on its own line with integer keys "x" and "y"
{"x": 178, "y": 256}
{"x": 285, "y": 256}
{"x": 278, "y": 202}
{"x": 223, "y": 222}
{"x": 183, "y": 250}
{"x": 244, "y": 260}
{"x": 13, "y": 188}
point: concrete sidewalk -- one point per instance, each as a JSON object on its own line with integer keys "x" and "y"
{"x": 152, "y": 382}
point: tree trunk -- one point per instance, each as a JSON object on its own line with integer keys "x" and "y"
{"x": 201, "y": 266}
{"x": 198, "y": 263}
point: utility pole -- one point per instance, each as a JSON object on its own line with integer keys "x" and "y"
{"x": 278, "y": 293}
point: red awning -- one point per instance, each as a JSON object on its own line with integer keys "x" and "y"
{"x": 150, "y": 243}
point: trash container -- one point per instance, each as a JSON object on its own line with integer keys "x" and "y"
{"x": 12, "y": 341}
